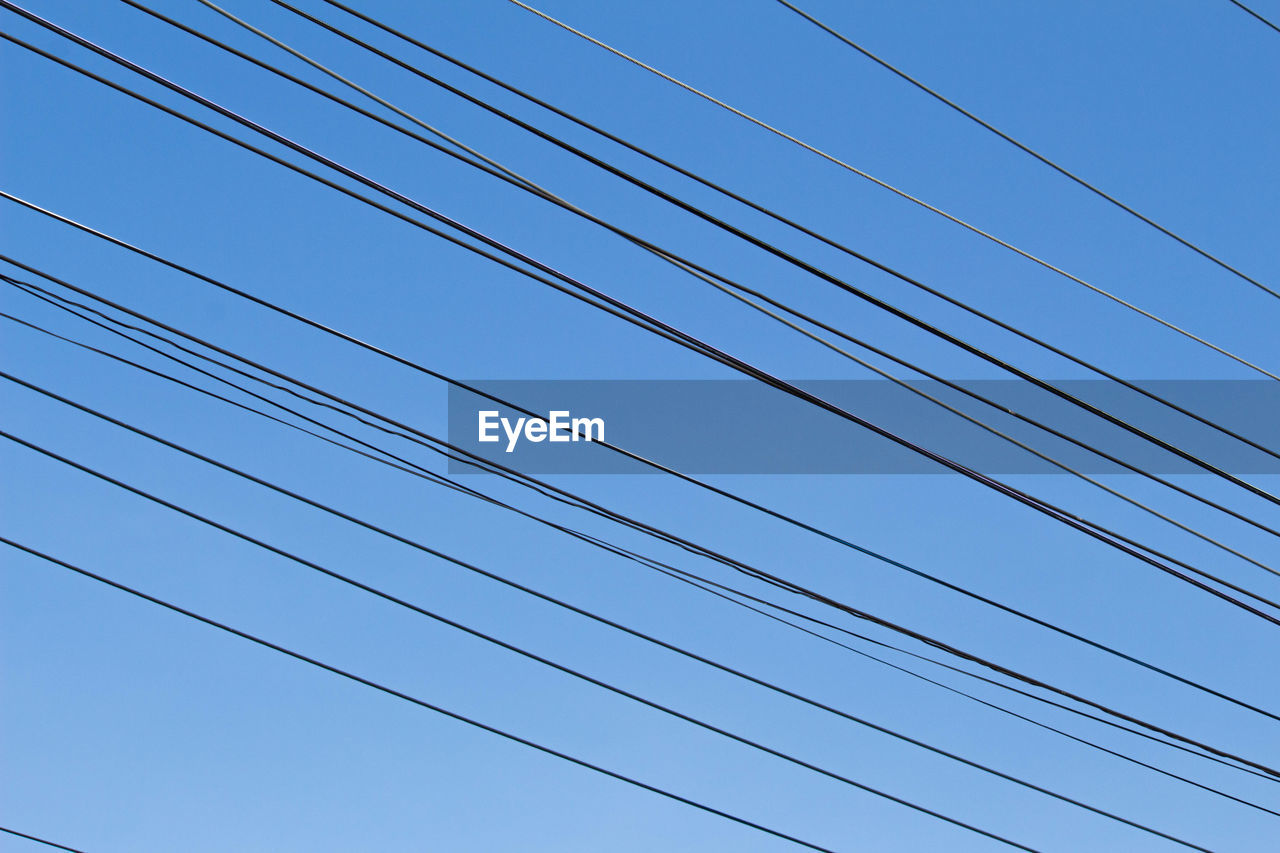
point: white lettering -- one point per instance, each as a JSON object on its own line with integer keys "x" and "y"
{"x": 558, "y": 426}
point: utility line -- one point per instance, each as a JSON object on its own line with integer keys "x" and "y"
{"x": 595, "y": 507}
{"x": 900, "y": 193}
{"x": 831, "y": 279}
{"x": 675, "y": 167}
{"x": 725, "y": 593}
{"x": 424, "y": 704}
{"x": 46, "y": 842}
{"x": 440, "y": 555}
{"x": 1254, "y": 14}
{"x": 1091, "y": 529}
{"x": 1027, "y": 149}
{"x": 400, "y": 602}
{"x": 714, "y": 279}
{"x": 504, "y": 174}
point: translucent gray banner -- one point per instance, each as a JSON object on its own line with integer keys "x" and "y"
{"x": 744, "y": 427}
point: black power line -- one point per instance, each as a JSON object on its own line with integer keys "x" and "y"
{"x": 933, "y": 93}
{"x": 725, "y": 593}
{"x": 727, "y": 193}
{"x": 412, "y": 543}
{"x": 46, "y": 842}
{"x": 649, "y": 323}
{"x": 1254, "y": 14}
{"x": 431, "y": 707}
{"x": 409, "y": 432}
{"x": 499, "y": 171}
{"x": 421, "y": 611}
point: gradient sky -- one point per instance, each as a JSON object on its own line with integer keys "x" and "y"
{"x": 129, "y": 728}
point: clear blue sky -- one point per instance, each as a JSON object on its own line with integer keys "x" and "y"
{"x": 129, "y": 728}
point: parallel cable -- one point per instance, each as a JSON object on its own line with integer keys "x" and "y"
{"x": 502, "y": 173}
{"x": 431, "y": 707}
{"x": 719, "y": 590}
{"x": 419, "y": 546}
{"x": 845, "y": 286}
{"x": 646, "y": 321}
{"x": 596, "y": 507}
{"x": 759, "y": 208}
{"x": 714, "y": 279}
{"x": 900, "y": 193}
{"x": 421, "y": 611}
{"x": 1027, "y": 149}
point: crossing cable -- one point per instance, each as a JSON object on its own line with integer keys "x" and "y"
{"x": 693, "y": 548}
{"x": 46, "y": 842}
{"x": 1254, "y": 14}
{"x": 568, "y": 116}
{"x": 400, "y": 602}
{"x": 578, "y": 502}
{"x": 729, "y": 287}
{"x": 878, "y": 182}
{"x": 1089, "y": 528}
{"x": 537, "y": 486}
{"x": 722, "y": 224}
{"x": 726, "y": 593}
{"x": 692, "y": 343}
{"x": 1027, "y": 149}
{"x": 431, "y": 707}
{"x": 499, "y": 171}
{"x": 434, "y": 552}
{"x": 828, "y": 277}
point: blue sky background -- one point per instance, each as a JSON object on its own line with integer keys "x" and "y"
{"x": 130, "y": 728}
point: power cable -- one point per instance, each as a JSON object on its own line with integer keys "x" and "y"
{"x": 707, "y": 276}
{"x": 400, "y": 602}
{"x": 595, "y": 507}
{"x": 722, "y": 224}
{"x": 877, "y": 181}
{"x": 440, "y": 555}
{"x": 1254, "y": 14}
{"x": 1091, "y": 529}
{"x": 1027, "y": 149}
{"x": 725, "y": 593}
{"x": 431, "y": 707}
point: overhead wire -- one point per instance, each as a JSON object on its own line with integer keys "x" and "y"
{"x": 46, "y": 842}
{"x": 473, "y": 389}
{"x": 497, "y": 170}
{"x": 613, "y": 688}
{"x": 427, "y": 549}
{"x": 718, "y": 188}
{"x": 1257, "y": 16}
{"x": 1090, "y": 528}
{"x": 845, "y": 286}
{"x": 731, "y": 288}
{"x": 1026, "y": 149}
{"x": 429, "y": 706}
{"x": 721, "y": 591}
{"x": 900, "y": 193}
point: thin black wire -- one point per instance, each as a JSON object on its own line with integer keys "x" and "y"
{"x": 759, "y": 574}
{"x": 1037, "y": 155}
{"x": 722, "y": 592}
{"x": 433, "y": 552}
{"x": 1245, "y": 8}
{"x": 646, "y": 321}
{"x": 537, "y": 486}
{"x": 496, "y": 170}
{"x": 717, "y": 188}
{"x": 424, "y": 704}
{"x": 647, "y": 702}
{"x": 43, "y": 841}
